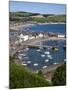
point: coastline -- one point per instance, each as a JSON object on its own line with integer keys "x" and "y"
{"x": 26, "y": 25}
{"x": 49, "y": 71}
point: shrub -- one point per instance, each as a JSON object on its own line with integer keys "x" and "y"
{"x": 59, "y": 77}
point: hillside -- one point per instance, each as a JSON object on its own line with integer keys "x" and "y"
{"x": 20, "y": 77}
{"x": 35, "y": 17}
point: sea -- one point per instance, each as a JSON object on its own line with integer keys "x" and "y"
{"x": 36, "y": 59}
{"x": 56, "y": 28}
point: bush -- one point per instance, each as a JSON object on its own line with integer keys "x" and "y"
{"x": 59, "y": 77}
{"x": 40, "y": 73}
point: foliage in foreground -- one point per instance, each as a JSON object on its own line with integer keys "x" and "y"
{"x": 20, "y": 77}
{"x": 59, "y": 77}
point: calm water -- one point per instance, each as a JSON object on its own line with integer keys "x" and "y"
{"x": 36, "y": 60}
{"x": 56, "y": 28}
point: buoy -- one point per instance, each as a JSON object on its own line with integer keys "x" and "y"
{"x": 49, "y": 56}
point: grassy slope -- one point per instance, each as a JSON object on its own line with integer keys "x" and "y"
{"x": 25, "y": 16}
{"x": 20, "y": 77}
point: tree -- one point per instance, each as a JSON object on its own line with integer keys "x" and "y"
{"x": 59, "y": 77}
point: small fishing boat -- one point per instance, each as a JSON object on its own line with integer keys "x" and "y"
{"x": 55, "y": 63}
{"x": 44, "y": 67}
{"x": 28, "y": 62}
{"x": 24, "y": 64}
{"x": 35, "y": 64}
{"x": 22, "y": 54}
{"x": 46, "y": 60}
{"x": 26, "y": 57}
{"x": 55, "y": 49}
{"x": 39, "y": 50}
{"x": 47, "y": 52}
{"x": 49, "y": 56}
{"x": 42, "y": 55}
{"x": 27, "y": 49}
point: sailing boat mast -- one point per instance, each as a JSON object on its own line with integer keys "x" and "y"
{"x": 41, "y": 45}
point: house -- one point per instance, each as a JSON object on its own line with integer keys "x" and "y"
{"x": 31, "y": 37}
{"x": 61, "y": 36}
{"x": 40, "y": 35}
{"x": 23, "y": 37}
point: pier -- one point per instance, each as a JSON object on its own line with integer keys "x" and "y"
{"x": 38, "y": 46}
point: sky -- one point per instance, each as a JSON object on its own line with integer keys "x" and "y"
{"x": 35, "y": 7}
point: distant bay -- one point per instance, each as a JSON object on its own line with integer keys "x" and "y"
{"x": 55, "y": 28}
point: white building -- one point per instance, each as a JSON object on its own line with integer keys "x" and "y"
{"x": 31, "y": 37}
{"x": 20, "y": 40}
{"x": 16, "y": 42}
{"x": 40, "y": 35}
{"x": 23, "y": 37}
{"x": 61, "y": 36}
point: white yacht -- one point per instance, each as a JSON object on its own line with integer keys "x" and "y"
{"x": 24, "y": 64}
{"x": 44, "y": 67}
{"x": 42, "y": 55}
{"x": 28, "y": 62}
{"x": 49, "y": 56}
{"x": 27, "y": 49}
{"x": 23, "y": 54}
{"x": 47, "y": 52}
{"x": 46, "y": 60}
{"x": 39, "y": 50}
{"x": 55, "y": 63}
{"x": 35, "y": 64}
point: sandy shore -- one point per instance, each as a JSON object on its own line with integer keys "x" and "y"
{"x": 22, "y": 26}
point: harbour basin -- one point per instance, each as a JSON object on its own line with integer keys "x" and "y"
{"x": 36, "y": 58}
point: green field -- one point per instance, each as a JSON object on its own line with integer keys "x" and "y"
{"x": 26, "y": 16}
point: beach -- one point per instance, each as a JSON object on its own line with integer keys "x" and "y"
{"x": 19, "y": 26}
